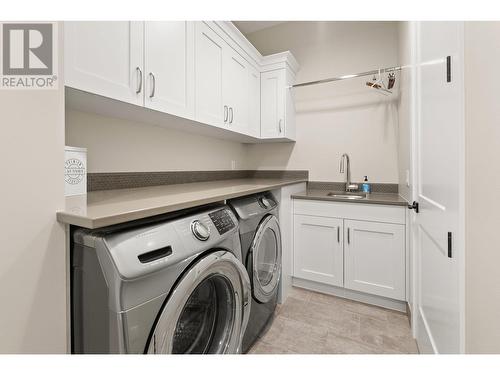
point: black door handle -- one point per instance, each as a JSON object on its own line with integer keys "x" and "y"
{"x": 413, "y": 206}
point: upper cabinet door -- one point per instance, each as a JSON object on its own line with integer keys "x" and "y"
{"x": 209, "y": 52}
{"x": 235, "y": 90}
{"x": 273, "y": 104}
{"x": 105, "y": 58}
{"x": 253, "y": 102}
{"x": 317, "y": 250}
{"x": 375, "y": 258}
{"x": 169, "y": 67}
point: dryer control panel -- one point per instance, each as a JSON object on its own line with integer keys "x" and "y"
{"x": 222, "y": 220}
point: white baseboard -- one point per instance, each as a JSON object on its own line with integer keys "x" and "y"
{"x": 387, "y": 303}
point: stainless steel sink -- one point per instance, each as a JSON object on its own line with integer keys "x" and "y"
{"x": 346, "y": 195}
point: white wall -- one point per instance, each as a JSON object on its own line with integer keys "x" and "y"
{"x": 33, "y": 253}
{"x": 115, "y": 145}
{"x": 482, "y": 123}
{"x": 339, "y": 117}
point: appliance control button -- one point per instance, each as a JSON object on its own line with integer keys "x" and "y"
{"x": 200, "y": 230}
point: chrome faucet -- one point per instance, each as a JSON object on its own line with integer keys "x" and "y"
{"x": 346, "y": 168}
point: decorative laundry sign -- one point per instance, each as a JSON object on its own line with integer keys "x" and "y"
{"x": 75, "y": 171}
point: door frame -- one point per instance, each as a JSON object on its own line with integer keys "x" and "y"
{"x": 459, "y": 238}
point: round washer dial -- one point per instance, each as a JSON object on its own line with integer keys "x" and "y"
{"x": 265, "y": 202}
{"x": 200, "y": 230}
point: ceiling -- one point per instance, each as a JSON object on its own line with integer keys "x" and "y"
{"x": 248, "y": 27}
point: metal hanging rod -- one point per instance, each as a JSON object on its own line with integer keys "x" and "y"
{"x": 349, "y": 76}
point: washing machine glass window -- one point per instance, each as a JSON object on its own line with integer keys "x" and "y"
{"x": 206, "y": 321}
{"x": 266, "y": 258}
{"x": 267, "y": 255}
{"x": 208, "y": 310}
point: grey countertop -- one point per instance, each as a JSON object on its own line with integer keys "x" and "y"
{"x": 108, "y": 207}
{"x": 372, "y": 198}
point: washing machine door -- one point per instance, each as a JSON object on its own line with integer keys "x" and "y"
{"x": 266, "y": 259}
{"x": 208, "y": 310}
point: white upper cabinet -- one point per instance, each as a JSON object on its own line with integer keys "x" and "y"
{"x": 253, "y": 102}
{"x": 169, "y": 67}
{"x": 235, "y": 91}
{"x": 273, "y": 104}
{"x": 105, "y": 58}
{"x": 318, "y": 250}
{"x": 375, "y": 258}
{"x": 202, "y": 71}
{"x": 210, "y": 108}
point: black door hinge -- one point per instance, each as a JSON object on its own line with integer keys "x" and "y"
{"x": 449, "y": 244}
{"x": 448, "y": 68}
{"x": 413, "y": 206}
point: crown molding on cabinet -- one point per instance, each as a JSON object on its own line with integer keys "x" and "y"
{"x": 265, "y": 63}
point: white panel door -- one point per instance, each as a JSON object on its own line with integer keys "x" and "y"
{"x": 235, "y": 90}
{"x": 209, "y": 55}
{"x": 169, "y": 67}
{"x": 105, "y": 58}
{"x": 439, "y": 151}
{"x": 374, "y": 256}
{"x": 317, "y": 249}
{"x": 273, "y": 104}
{"x": 253, "y": 102}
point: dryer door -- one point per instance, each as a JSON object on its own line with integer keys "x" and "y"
{"x": 208, "y": 310}
{"x": 266, "y": 259}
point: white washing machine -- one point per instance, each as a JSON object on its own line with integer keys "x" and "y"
{"x": 174, "y": 286}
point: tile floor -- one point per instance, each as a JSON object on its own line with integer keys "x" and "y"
{"x": 315, "y": 323}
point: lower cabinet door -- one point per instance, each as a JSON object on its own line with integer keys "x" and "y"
{"x": 375, "y": 258}
{"x": 318, "y": 250}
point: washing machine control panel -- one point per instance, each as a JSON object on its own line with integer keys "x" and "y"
{"x": 222, "y": 220}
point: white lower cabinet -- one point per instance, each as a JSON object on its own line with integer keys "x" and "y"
{"x": 335, "y": 245}
{"x": 318, "y": 251}
{"x": 374, "y": 258}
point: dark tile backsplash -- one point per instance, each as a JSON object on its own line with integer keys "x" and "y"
{"x": 128, "y": 180}
{"x": 340, "y": 186}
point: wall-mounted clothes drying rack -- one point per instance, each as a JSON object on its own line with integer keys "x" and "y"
{"x": 349, "y": 76}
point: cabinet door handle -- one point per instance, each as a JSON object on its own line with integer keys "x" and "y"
{"x": 225, "y": 113}
{"x": 348, "y": 235}
{"x": 153, "y": 85}
{"x": 338, "y": 234}
{"x": 279, "y": 125}
{"x": 230, "y": 115}
{"x": 139, "y": 85}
